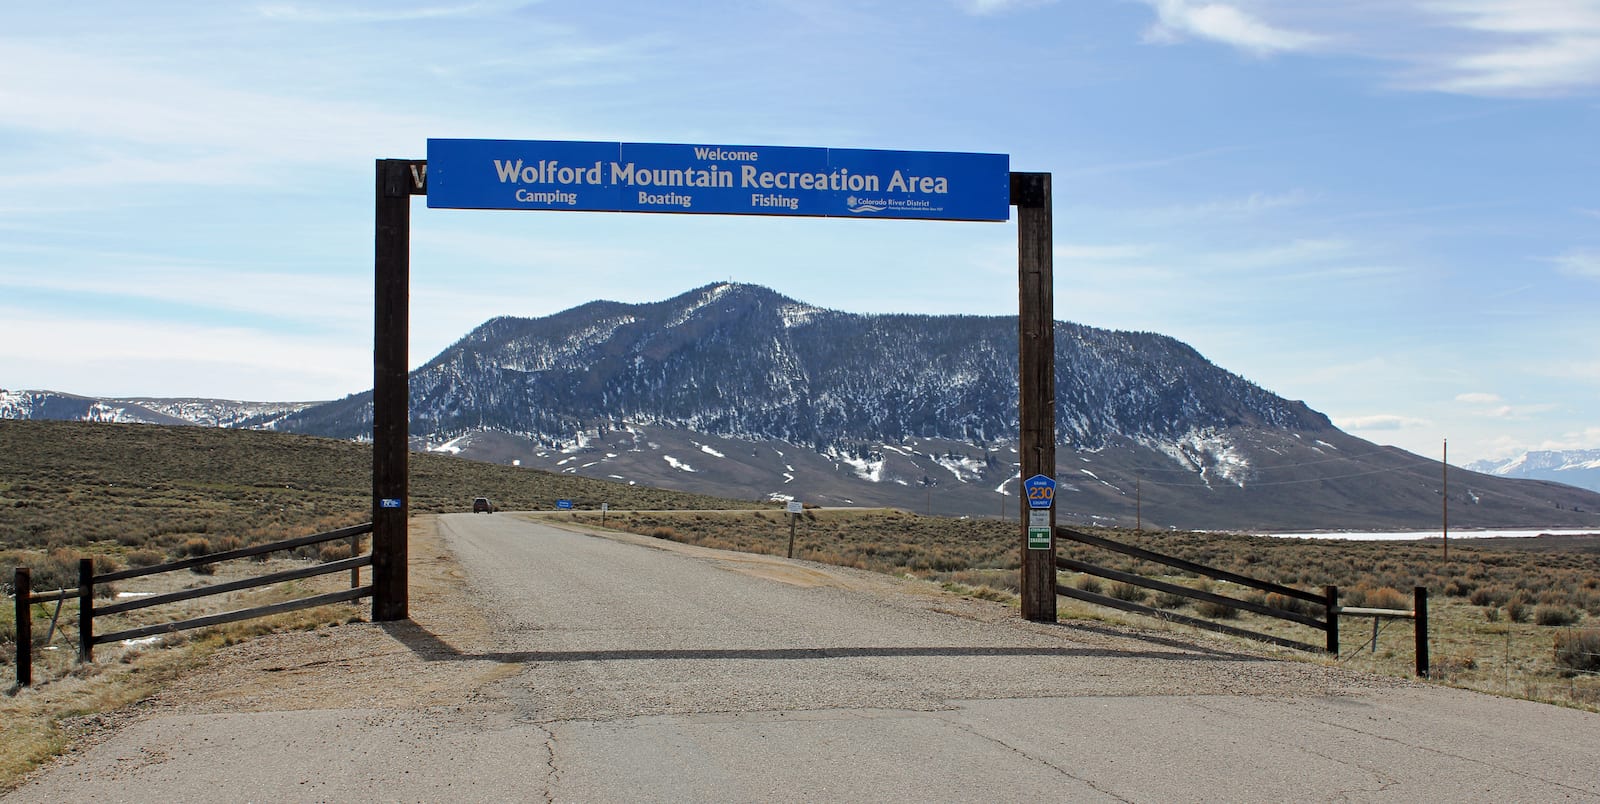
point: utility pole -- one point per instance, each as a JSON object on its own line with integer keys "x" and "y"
{"x": 1036, "y": 388}
{"x": 1444, "y": 492}
{"x": 1138, "y": 504}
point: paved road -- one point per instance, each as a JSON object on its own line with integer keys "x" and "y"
{"x": 635, "y": 673}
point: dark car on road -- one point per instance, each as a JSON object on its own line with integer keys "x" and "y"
{"x": 481, "y": 505}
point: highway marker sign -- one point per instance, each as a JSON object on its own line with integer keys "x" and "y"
{"x": 1041, "y": 491}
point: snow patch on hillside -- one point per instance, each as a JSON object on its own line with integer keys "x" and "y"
{"x": 797, "y": 315}
{"x": 964, "y": 467}
{"x": 453, "y": 446}
{"x": 709, "y": 297}
{"x": 677, "y": 464}
{"x": 1208, "y": 453}
{"x": 870, "y": 470}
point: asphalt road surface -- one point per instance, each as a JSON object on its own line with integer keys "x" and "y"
{"x": 640, "y": 671}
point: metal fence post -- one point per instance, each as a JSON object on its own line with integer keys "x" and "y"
{"x": 85, "y": 610}
{"x": 1420, "y": 621}
{"x": 1331, "y": 607}
{"x": 23, "y": 582}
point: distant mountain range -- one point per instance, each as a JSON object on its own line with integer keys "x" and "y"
{"x": 736, "y": 390}
{"x": 144, "y": 410}
{"x": 1578, "y": 467}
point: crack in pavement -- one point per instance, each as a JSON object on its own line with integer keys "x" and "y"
{"x": 974, "y": 731}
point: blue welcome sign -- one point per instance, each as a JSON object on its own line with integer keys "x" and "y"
{"x": 717, "y": 179}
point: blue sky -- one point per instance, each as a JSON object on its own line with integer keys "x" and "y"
{"x": 1389, "y": 209}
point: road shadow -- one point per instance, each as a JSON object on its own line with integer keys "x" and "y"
{"x": 429, "y": 647}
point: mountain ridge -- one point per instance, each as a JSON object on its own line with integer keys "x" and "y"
{"x": 736, "y": 389}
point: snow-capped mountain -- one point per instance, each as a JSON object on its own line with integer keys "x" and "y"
{"x": 1579, "y": 467}
{"x": 143, "y": 410}
{"x": 68, "y": 407}
{"x": 738, "y": 390}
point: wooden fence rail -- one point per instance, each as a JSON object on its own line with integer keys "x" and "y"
{"x": 1328, "y": 623}
{"x": 87, "y": 581}
{"x": 1328, "y": 600}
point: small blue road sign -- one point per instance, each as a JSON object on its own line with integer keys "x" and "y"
{"x": 1041, "y": 491}
{"x": 565, "y": 505}
{"x": 389, "y": 502}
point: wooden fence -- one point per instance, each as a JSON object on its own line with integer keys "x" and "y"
{"x": 1328, "y": 601}
{"x": 88, "y": 611}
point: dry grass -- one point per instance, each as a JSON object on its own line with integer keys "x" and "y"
{"x": 112, "y": 489}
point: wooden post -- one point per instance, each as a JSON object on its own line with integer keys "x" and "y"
{"x": 85, "y": 610}
{"x": 22, "y": 582}
{"x": 355, "y": 550}
{"x": 792, "y": 518}
{"x": 397, "y": 181}
{"x": 1036, "y": 379}
{"x": 1420, "y": 622}
{"x": 1330, "y": 605}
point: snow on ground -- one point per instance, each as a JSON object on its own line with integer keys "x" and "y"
{"x": 1195, "y": 447}
{"x": 677, "y": 464}
{"x": 796, "y": 315}
{"x": 453, "y": 446}
{"x": 1397, "y": 536}
{"x": 868, "y": 470}
{"x": 710, "y": 296}
{"x": 707, "y": 449}
{"x": 965, "y": 468}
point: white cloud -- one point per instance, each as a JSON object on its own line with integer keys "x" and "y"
{"x": 110, "y": 108}
{"x": 1478, "y": 398}
{"x": 291, "y": 12}
{"x": 1583, "y": 263}
{"x": 1177, "y": 20}
{"x": 983, "y": 8}
{"x": 1381, "y": 422}
{"x": 147, "y": 358}
{"x": 1086, "y": 252}
{"x": 1572, "y": 370}
{"x": 1492, "y": 406}
{"x": 1520, "y": 47}
{"x": 1469, "y": 47}
{"x": 325, "y": 300}
{"x": 1249, "y": 206}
